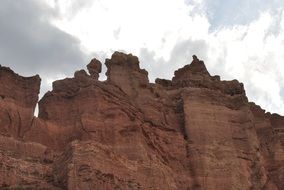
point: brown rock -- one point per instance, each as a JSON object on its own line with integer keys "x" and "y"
{"x": 196, "y": 69}
{"x": 19, "y": 96}
{"x": 270, "y": 133}
{"x": 163, "y": 82}
{"x": 192, "y": 132}
{"x": 94, "y": 68}
{"x": 124, "y": 71}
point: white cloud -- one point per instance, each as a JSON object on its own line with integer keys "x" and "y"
{"x": 141, "y": 24}
{"x": 235, "y": 39}
{"x": 254, "y": 56}
{"x": 166, "y": 33}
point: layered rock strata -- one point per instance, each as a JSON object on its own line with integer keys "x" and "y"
{"x": 192, "y": 132}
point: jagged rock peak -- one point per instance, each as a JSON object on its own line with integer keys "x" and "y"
{"x": 127, "y": 60}
{"x": 123, "y": 70}
{"x": 196, "y": 75}
{"x": 24, "y": 90}
{"x": 94, "y": 68}
{"x": 196, "y": 67}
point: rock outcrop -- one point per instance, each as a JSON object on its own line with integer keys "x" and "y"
{"x": 192, "y": 132}
{"x": 19, "y": 96}
{"x": 95, "y": 68}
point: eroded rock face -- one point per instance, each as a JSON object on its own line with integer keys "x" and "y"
{"x": 270, "y": 133}
{"x": 124, "y": 71}
{"x": 95, "y": 68}
{"x": 192, "y": 132}
{"x": 19, "y": 96}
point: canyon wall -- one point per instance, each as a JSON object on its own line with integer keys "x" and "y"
{"x": 192, "y": 132}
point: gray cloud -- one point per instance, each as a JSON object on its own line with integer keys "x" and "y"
{"x": 30, "y": 44}
{"x": 180, "y": 56}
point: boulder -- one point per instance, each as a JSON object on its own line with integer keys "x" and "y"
{"x": 94, "y": 68}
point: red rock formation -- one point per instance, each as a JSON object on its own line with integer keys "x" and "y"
{"x": 95, "y": 68}
{"x": 270, "y": 133}
{"x": 19, "y": 96}
{"x": 192, "y": 132}
{"x": 22, "y": 163}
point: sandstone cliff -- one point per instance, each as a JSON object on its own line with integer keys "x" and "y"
{"x": 192, "y": 132}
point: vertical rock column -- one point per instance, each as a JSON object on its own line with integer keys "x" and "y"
{"x": 18, "y": 99}
{"x": 124, "y": 71}
{"x": 222, "y": 143}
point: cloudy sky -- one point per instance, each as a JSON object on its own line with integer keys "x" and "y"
{"x": 237, "y": 39}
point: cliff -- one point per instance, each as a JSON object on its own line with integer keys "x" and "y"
{"x": 192, "y": 132}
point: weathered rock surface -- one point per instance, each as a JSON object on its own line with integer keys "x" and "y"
{"x": 18, "y": 99}
{"x": 192, "y": 132}
{"x": 94, "y": 68}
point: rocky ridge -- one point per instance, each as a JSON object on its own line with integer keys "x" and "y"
{"x": 192, "y": 132}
